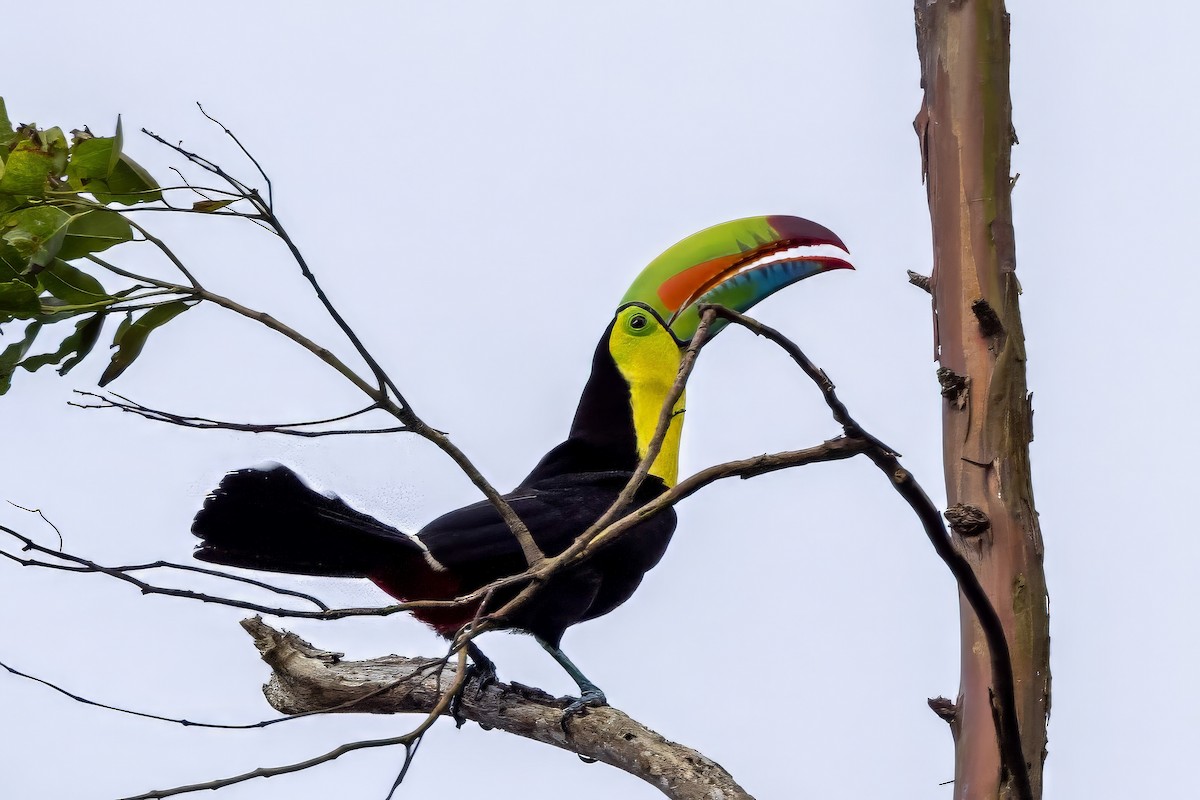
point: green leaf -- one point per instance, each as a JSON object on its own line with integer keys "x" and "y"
{"x": 11, "y": 263}
{"x": 118, "y": 146}
{"x": 18, "y": 299}
{"x": 121, "y": 329}
{"x": 91, "y": 158}
{"x": 128, "y": 183}
{"x": 6, "y": 128}
{"x": 27, "y": 169}
{"x": 208, "y": 206}
{"x": 72, "y": 285}
{"x": 36, "y": 233}
{"x": 93, "y": 232}
{"x": 54, "y": 141}
{"x": 87, "y": 331}
{"x": 14, "y": 353}
{"x": 130, "y": 341}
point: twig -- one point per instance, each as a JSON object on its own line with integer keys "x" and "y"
{"x": 82, "y": 565}
{"x": 316, "y": 601}
{"x": 410, "y": 752}
{"x": 906, "y": 485}
{"x": 270, "y": 772}
{"x": 605, "y": 526}
{"x": 666, "y": 415}
{"x": 187, "y": 723}
{"x": 436, "y": 710}
{"x": 166, "y": 251}
{"x": 203, "y": 423}
{"x": 45, "y": 519}
{"x": 202, "y": 162}
{"x": 399, "y": 408}
{"x": 245, "y": 152}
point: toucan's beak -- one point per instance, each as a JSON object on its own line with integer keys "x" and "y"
{"x": 735, "y": 264}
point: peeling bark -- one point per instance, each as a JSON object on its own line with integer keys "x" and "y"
{"x": 307, "y": 679}
{"x": 965, "y": 131}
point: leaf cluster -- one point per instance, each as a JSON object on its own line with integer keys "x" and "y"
{"x": 56, "y": 215}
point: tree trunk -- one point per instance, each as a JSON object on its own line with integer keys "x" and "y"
{"x": 966, "y": 136}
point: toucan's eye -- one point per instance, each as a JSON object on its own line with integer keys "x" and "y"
{"x": 637, "y": 321}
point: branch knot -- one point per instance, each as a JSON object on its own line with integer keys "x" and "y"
{"x": 967, "y": 520}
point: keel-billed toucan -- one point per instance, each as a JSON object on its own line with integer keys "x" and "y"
{"x": 269, "y": 519}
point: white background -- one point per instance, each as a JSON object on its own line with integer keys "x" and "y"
{"x": 477, "y": 183}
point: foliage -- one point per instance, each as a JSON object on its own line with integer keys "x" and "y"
{"x": 57, "y": 199}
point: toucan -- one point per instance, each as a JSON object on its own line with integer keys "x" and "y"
{"x": 269, "y": 519}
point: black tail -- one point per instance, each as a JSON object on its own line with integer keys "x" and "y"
{"x": 270, "y": 520}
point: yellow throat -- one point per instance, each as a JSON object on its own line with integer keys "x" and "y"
{"x": 648, "y": 357}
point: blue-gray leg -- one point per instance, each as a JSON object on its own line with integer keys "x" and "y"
{"x": 589, "y": 693}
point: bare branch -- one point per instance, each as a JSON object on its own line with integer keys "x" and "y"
{"x": 246, "y": 153}
{"x": 423, "y": 677}
{"x": 304, "y": 675}
{"x": 1005, "y": 704}
{"x": 920, "y": 281}
{"x": 239, "y": 187}
{"x": 45, "y": 519}
{"x": 123, "y": 403}
{"x": 270, "y": 772}
{"x": 187, "y": 723}
{"x": 79, "y": 564}
{"x": 665, "y": 416}
{"x": 166, "y": 251}
{"x": 384, "y": 391}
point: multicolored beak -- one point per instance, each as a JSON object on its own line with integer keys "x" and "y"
{"x": 734, "y": 264}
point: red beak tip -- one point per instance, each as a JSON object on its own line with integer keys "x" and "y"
{"x": 805, "y": 232}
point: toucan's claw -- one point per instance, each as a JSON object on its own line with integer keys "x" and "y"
{"x": 481, "y": 667}
{"x": 482, "y": 671}
{"x": 589, "y": 698}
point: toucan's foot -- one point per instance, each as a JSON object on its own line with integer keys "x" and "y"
{"x": 481, "y": 670}
{"x": 590, "y": 698}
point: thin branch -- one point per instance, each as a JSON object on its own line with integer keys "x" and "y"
{"x": 316, "y": 601}
{"x": 71, "y": 194}
{"x": 410, "y": 753}
{"x": 382, "y": 394}
{"x": 202, "y": 162}
{"x": 79, "y": 564}
{"x": 113, "y": 268}
{"x": 968, "y": 582}
{"x": 270, "y": 772}
{"x": 245, "y": 152}
{"x": 203, "y": 423}
{"x": 30, "y": 545}
{"x": 666, "y": 415}
{"x": 400, "y": 408}
{"x": 605, "y": 525}
{"x": 347, "y": 705}
{"x": 166, "y": 251}
{"x": 833, "y": 450}
{"x": 45, "y": 519}
{"x": 325, "y": 421}
{"x": 435, "y": 710}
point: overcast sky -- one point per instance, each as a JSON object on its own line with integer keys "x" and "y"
{"x": 477, "y": 183}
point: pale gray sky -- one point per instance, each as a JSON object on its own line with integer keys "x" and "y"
{"x": 477, "y": 183}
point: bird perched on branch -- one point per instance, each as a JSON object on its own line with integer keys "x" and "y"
{"x": 270, "y": 520}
